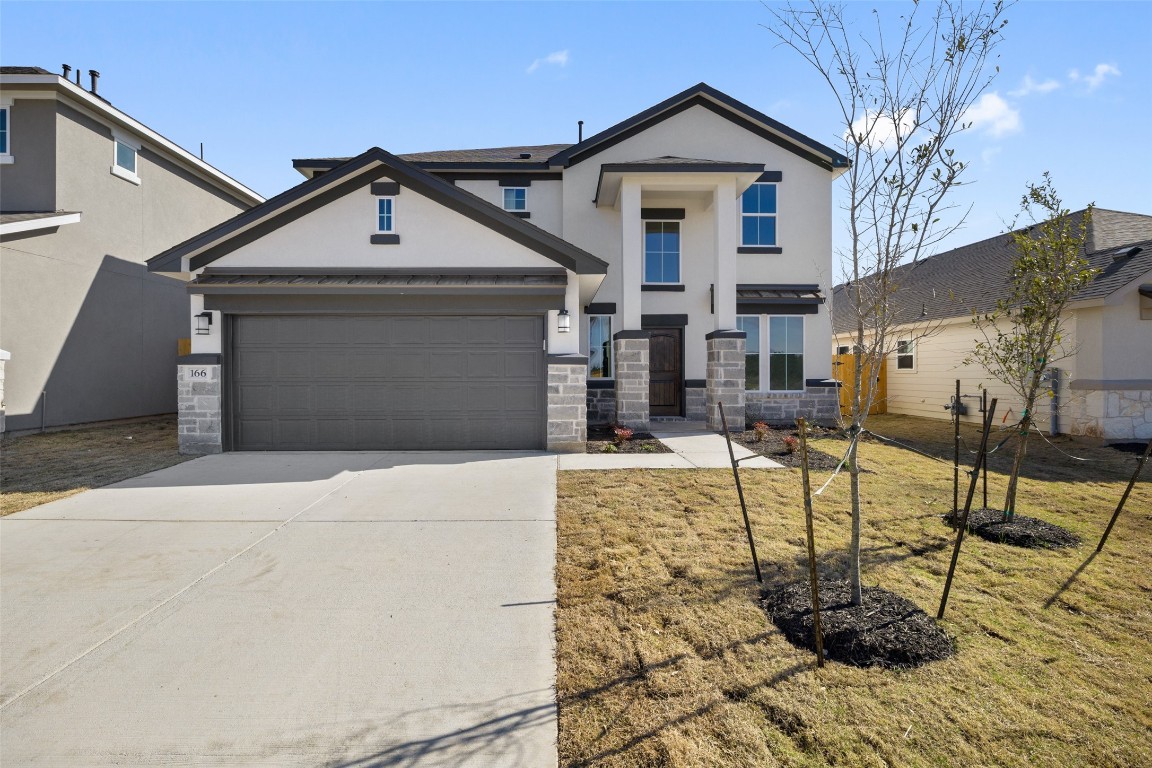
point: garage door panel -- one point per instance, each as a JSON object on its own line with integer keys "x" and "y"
{"x": 387, "y": 383}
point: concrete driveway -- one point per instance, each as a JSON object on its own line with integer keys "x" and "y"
{"x": 323, "y": 609}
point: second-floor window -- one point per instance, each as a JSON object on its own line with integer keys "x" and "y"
{"x": 662, "y": 252}
{"x": 125, "y": 156}
{"x": 4, "y": 111}
{"x": 515, "y": 198}
{"x": 758, "y": 215}
{"x": 385, "y": 214}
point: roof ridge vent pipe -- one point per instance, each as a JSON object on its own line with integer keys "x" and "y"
{"x": 579, "y": 131}
{"x": 77, "y": 75}
{"x": 95, "y": 78}
{"x": 525, "y": 155}
{"x": 67, "y": 69}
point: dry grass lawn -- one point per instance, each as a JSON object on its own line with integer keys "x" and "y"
{"x": 36, "y": 469}
{"x": 665, "y": 659}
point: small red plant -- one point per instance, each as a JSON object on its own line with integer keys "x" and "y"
{"x": 760, "y": 430}
{"x": 623, "y": 434}
{"x": 791, "y": 443}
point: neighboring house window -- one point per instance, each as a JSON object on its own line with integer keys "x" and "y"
{"x": 515, "y": 198}
{"x": 906, "y": 355}
{"x": 600, "y": 347}
{"x": 385, "y": 214}
{"x": 662, "y": 252}
{"x": 844, "y": 349}
{"x": 124, "y": 157}
{"x": 750, "y": 324}
{"x": 786, "y": 353}
{"x": 758, "y": 215}
{"x": 5, "y": 134}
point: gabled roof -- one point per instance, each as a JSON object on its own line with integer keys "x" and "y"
{"x": 491, "y": 158}
{"x": 23, "y": 71}
{"x": 722, "y": 104}
{"x": 354, "y": 174}
{"x": 974, "y": 277}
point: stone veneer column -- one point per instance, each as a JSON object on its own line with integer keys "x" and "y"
{"x": 4, "y": 357}
{"x": 725, "y": 382}
{"x": 630, "y": 349}
{"x": 199, "y": 401}
{"x": 567, "y": 403}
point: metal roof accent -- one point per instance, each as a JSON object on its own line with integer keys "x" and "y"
{"x": 381, "y": 282}
{"x": 750, "y": 293}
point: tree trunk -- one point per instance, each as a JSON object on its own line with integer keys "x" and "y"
{"x": 854, "y": 548}
{"x": 1017, "y": 463}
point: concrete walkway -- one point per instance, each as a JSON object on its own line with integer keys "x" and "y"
{"x": 694, "y": 446}
{"x": 325, "y": 609}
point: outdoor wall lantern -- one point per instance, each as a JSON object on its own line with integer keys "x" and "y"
{"x": 203, "y": 323}
{"x": 564, "y": 322}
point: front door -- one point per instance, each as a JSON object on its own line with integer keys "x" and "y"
{"x": 666, "y": 369}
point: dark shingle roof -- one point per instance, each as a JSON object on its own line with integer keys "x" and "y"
{"x": 24, "y": 71}
{"x": 974, "y": 277}
{"x": 537, "y": 154}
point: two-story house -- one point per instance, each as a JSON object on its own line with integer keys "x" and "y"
{"x": 87, "y": 193}
{"x": 499, "y": 298}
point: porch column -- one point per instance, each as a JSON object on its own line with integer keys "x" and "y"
{"x": 726, "y": 223}
{"x": 567, "y": 403}
{"x": 631, "y": 255}
{"x": 725, "y": 383}
{"x": 199, "y": 401}
{"x": 632, "y": 378}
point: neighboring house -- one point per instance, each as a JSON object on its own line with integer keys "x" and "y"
{"x": 489, "y": 298}
{"x": 87, "y": 193}
{"x": 1104, "y": 389}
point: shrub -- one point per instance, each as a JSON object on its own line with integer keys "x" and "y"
{"x": 609, "y": 448}
{"x": 760, "y": 430}
{"x": 623, "y": 434}
{"x": 791, "y": 443}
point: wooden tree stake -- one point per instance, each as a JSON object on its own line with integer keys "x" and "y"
{"x": 1124, "y": 498}
{"x": 740, "y": 493}
{"x": 817, "y": 632}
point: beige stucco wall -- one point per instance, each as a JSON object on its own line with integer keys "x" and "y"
{"x": 544, "y": 199}
{"x": 79, "y": 312}
{"x": 804, "y": 226}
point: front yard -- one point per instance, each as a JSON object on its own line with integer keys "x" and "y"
{"x": 38, "y": 468}
{"x": 665, "y": 658}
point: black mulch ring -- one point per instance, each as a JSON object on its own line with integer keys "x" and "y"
{"x": 1021, "y": 532}
{"x": 886, "y": 630}
{"x": 774, "y": 447}
{"x": 642, "y": 442}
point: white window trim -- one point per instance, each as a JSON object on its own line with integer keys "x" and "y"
{"x": 776, "y": 216}
{"x": 767, "y": 353}
{"x": 6, "y": 157}
{"x": 128, "y": 141}
{"x": 896, "y": 356}
{"x": 612, "y": 361}
{"x": 644, "y": 251}
{"x": 514, "y": 210}
{"x": 376, "y": 206}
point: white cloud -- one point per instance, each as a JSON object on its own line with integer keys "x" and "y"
{"x": 556, "y": 58}
{"x": 994, "y": 115}
{"x": 879, "y": 130}
{"x": 1096, "y": 79}
{"x": 988, "y": 155}
{"x": 1030, "y": 86}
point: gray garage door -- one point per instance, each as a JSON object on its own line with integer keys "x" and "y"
{"x": 387, "y": 383}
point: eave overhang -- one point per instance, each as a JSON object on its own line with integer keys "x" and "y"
{"x": 15, "y": 223}
{"x": 460, "y": 282}
{"x": 664, "y": 174}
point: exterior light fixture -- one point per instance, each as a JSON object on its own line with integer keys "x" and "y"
{"x": 564, "y": 322}
{"x": 203, "y": 323}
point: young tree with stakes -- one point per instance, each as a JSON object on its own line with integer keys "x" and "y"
{"x": 903, "y": 101}
{"x": 1025, "y": 335}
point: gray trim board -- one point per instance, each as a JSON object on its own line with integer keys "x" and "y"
{"x": 778, "y": 287}
{"x": 669, "y": 288}
{"x": 520, "y": 214}
{"x": 675, "y": 214}
{"x": 1115, "y": 384}
{"x": 680, "y": 168}
{"x": 726, "y": 335}
{"x": 382, "y": 304}
{"x": 384, "y": 239}
{"x": 515, "y": 181}
{"x": 664, "y": 321}
{"x": 601, "y": 308}
{"x": 383, "y": 271}
{"x": 695, "y": 383}
{"x": 524, "y": 181}
{"x": 200, "y": 359}
{"x": 759, "y": 249}
{"x": 771, "y": 177}
{"x": 620, "y": 335}
{"x": 566, "y": 359}
{"x": 768, "y": 307}
{"x": 822, "y": 383}
{"x": 601, "y": 383}
{"x": 385, "y": 188}
{"x": 356, "y": 173}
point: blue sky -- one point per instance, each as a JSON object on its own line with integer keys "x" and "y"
{"x": 262, "y": 83}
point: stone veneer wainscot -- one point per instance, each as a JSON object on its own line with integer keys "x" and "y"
{"x": 199, "y": 404}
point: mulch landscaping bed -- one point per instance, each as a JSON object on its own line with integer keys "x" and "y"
{"x": 599, "y": 437}
{"x": 1021, "y": 532}
{"x": 886, "y": 630}
{"x": 774, "y": 447}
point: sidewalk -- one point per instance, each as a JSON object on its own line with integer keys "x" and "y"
{"x": 694, "y": 446}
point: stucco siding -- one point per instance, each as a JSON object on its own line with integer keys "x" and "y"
{"x": 1127, "y": 345}
{"x": 545, "y": 200}
{"x": 28, "y": 183}
{"x": 84, "y": 320}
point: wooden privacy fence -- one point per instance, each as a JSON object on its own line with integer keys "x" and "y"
{"x": 842, "y": 368}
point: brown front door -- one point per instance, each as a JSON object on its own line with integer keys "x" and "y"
{"x": 666, "y": 368}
